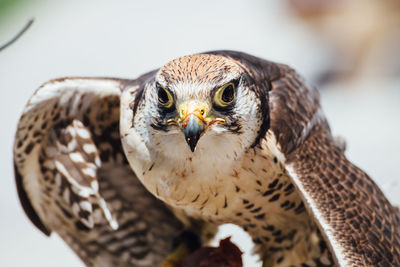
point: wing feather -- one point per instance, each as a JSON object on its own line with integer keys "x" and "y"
{"x": 73, "y": 178}
{"x": 54, "y": 103}
{"x": 359, "y": 224}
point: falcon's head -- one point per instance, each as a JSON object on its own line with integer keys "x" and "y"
{"x": 204, "y": 100}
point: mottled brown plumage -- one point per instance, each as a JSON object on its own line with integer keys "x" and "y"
{"x": 61, "y": 118}
{"x": 266, "y": 161}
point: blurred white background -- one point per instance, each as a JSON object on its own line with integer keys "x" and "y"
{"x": 360, "y": 93}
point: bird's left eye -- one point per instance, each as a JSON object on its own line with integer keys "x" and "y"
{"x": 225, "y": 95}
{"x": 165, "y": 98}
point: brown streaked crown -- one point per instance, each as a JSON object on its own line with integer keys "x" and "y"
{"x": 202, "y": 68}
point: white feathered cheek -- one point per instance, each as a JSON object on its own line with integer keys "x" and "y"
{"x": 133, "y": 133}
{"x": 247, "y": 115}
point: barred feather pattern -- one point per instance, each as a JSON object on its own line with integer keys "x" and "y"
{"x": 73, "y": 178}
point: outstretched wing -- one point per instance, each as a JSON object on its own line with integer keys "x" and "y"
{"x": 73, "y": 179}
{"x": 358, "y": 223}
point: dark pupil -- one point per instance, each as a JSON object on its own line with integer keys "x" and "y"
{"x": 162, "y": 96}
{"x": 227, "y": 95}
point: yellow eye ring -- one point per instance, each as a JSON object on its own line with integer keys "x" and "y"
{"x": 225, "y": 95}
{"x": 165, "y": 98}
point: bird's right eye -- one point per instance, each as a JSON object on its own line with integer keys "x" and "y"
{"x": 165, "y": 98}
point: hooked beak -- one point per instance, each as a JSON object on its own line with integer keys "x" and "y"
{"x": 193, "y": 127}
{"x": 194, "y": 120}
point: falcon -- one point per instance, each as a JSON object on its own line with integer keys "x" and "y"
{"x": 129, "y": 171}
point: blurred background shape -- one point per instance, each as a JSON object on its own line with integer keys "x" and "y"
{"x": 348, "y": 49}
{"x": 363, "y": 36}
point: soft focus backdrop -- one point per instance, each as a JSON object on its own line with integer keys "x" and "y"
{"x": 348, "y": 49}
